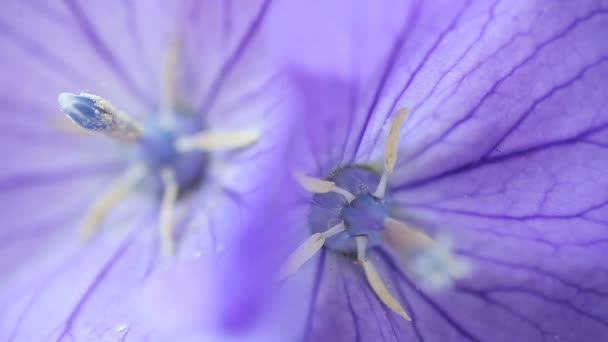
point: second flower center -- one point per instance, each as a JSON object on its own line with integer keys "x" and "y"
{"x": 364, "y": 215}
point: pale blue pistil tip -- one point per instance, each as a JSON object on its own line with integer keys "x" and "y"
{"x": 83, "y": 111}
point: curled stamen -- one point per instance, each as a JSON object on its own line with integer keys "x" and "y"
{"x": 94, "y": 113}
{"x": 117, "y": 191}
{"x": 316, "y": 185}
{"x": 307, "y": 250}
{"x": 390, "y": 152}
{"x": 376, "y": 282}
{"x": 166, "y": 211}
{"x": 216, "y": 140}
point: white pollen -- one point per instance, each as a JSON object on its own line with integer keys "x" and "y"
{"x": 121, "y": 328}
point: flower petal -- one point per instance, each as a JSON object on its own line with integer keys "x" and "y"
{"x": 504, "y": 152}
{"x": 50, "y": 176}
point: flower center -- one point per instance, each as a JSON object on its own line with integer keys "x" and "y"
{"x": 170, "y": 154}
{"x": 363, "y": 216}
{"x": 157, "y": 149}
{"x": 348, "y": 218}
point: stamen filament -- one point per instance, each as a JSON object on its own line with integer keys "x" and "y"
{"x": 216, "y": 140}
{"x": 390, "y": 152}
{"x": 381, "y": 189}
{"x": 117, "y": 191}
{"x": 316, "y": 185}
{"x": 307, "y": 250}
{"x": 301, "y": 255}
{"x": 166, "y": 211}
{"x": 376, "y": 282}
{"x": 347, "y": 194}
{"x": 337, "y": 229}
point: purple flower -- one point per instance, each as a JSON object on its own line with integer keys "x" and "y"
{"x": 493, "y": 224}
{"x": 173, "y": 122}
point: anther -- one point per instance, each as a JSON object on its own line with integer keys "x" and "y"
{"x": 390, "y": 152}
{"x": 169, "y": 82}
{"x": 94, "y": 113}
{"x": 319, "y": 186}
{"x": 404, "y": 238}
{"x": 217, "y": 140}
{"x": 429, "y": 260}
{"x": 307, "y": 250}
{"x": 117, "y": 191}
{"x": 166, "y": 211}
{"x": 376, "y": 282}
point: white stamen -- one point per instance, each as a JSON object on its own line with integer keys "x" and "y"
{"x": 301, "y": 255}
{"x": 166, "y": 211}
{"x": 217, "y": 140}
{"x": 116, "y": 191}
{"x": 169, "y": 82}
{"x": 430, "y": 261}
{"x": 314, "y": 185}
{"x": 337, "y": 229}
{"x": 376, "y": 282}
{"x": 347, "y": 194}
{"x": 307, "y": 250}
{"x": 390, "y": 152}
{"x": 121, "y": 328}
{"x": 404, "y": 238}
{"x": 361, "y": 246}
{"x": 381, "y": 189}
{"x": 320, "y": 186}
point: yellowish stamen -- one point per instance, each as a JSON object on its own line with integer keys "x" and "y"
{"x": 117, "y": 191}
{"x": 403, "y": 237}
{"x": 217, "y": 140}
{"x": 307, "y": 250}
{"x": 166, "y": 211}
{"x": 428, "y": 259}
{"x": 320, "y": 186}
{"x": 169, "y": 82}
{"x": 390, "y": 152}
{"x": 376, "y": 282}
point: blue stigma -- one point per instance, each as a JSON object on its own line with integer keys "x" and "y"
{"x": 363, "y": 216}
{"x": 83, "y": 110}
